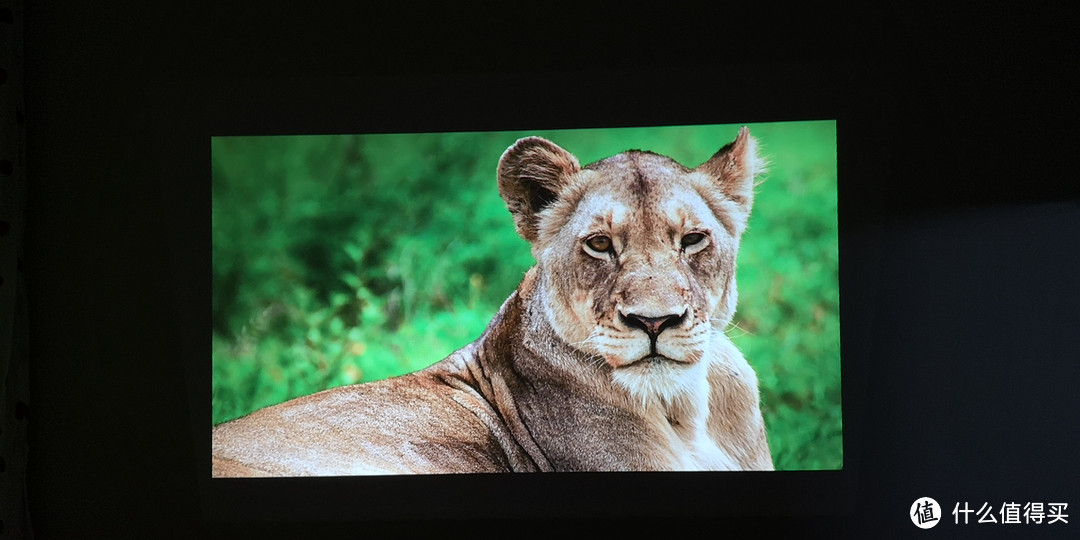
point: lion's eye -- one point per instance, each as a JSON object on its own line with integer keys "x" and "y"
{"x": 692, "y": 239}
{"x": 599, "y": 243}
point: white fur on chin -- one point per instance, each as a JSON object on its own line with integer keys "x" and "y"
{"x": 664, "y": 381}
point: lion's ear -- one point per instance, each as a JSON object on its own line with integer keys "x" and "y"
{"x": 532, "y": 173}
{"x": 734, "y": 168}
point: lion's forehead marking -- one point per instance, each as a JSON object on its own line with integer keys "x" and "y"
{"x": 685, "y": 208}
{"x": 604, "y": 211}
{"x": 645, "y": 165}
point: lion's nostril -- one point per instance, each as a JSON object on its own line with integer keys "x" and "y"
{"x": 652, "y": 325}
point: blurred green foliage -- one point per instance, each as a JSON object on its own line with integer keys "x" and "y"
{"x": 345, "y": 259}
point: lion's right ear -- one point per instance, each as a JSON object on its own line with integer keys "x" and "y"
{"x": 532, "y": 173}
{"x": 734, "y": 168}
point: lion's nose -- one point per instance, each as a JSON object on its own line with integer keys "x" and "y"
{"x": 652, "y": 325}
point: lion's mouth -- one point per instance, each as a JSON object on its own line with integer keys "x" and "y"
{"x": 657, "y": 358}
{"x": 650, "y": 360}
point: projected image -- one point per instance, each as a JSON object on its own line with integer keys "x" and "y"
{"x": 632, "y": 299}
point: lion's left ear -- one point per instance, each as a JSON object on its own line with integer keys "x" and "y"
{"x": 734, "y": 168}
{"x": 532, "y": 173}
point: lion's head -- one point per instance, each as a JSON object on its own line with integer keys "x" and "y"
{"x": 636, "y": 253}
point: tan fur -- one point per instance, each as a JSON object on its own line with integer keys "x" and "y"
{"x": 609, "y": 360}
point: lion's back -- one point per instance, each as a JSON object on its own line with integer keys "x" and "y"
{"x": 411, "y": 424}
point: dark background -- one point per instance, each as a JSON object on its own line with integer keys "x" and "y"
{"x": 960, "y": 223}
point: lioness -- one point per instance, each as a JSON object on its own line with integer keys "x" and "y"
{"x": 610, "y": 356}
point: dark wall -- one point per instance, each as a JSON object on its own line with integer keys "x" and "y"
{"x": 960, "y": 218}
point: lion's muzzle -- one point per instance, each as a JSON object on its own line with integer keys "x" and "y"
{"x": 652, "y": 326}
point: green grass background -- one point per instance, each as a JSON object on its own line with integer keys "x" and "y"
{"x": 351, "y": 258}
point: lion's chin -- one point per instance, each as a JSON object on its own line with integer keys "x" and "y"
{"x": 657, "y": 376}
